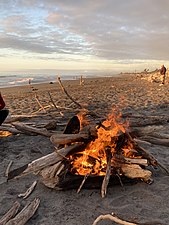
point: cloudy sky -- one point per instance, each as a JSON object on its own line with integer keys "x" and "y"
{"x": 109, "y": 35}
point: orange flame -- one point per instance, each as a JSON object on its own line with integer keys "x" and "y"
{"x": 93, "y": 159}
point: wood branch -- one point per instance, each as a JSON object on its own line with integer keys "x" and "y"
{"x": 149, "y": 130}
{"x": 112, "y": 218}
{"x": 156, "y": 141}
{"x": 64, "y": 90}
{"x": 50, "y": 174}
{"x": 27, "y": 212}
{"x": 41, "y": 106}
{"x": 142, "y": 120}
{"x": 45, "y": 161}
{"x": 10, "y": 214}
{"x": 56, "y": 107}
{"x": 14, "y": 118}
{"x": 10, "y": 129}
{"x": 62, "y": 139}
{"x": 151, "y": 159}
{"x": 28, "y": 129}
{"x": 29, "y": 191}
{"x": 135, "y": 171}
{"x": 137, "y": 161}
{"x": 83, "y": 181}
{"x": 141, "y": 142}
{"x": 108, "y": 173}
{"x": 8, "y": 168}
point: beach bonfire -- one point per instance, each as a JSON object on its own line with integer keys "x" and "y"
{"x": 92, "y": 154}
{"x": 102, "y": 153}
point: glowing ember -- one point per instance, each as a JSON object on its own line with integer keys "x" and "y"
{"x": 5, "y": 133}
{"x": 93, "y": 159}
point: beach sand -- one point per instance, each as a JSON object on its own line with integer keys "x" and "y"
{"x": 138, "y": 202}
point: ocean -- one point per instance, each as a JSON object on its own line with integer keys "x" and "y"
{"x": 24, "y": 79}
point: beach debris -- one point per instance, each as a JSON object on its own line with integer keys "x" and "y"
{"x": 54, "y": 104}
{"x": 8, "y": 168}
{"x": 68, "y": 95}
{"x": 10, "y": 214}
{"x": 39, "y": 103}
{"x": 29, "y": 191}
{"x": 25, "y": 214}
{"x": 31, "y": 130}
{"x": 112, "y": 218}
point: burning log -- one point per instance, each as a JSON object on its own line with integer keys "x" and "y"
{"x": 108, "y": 172}
{"x": 63, "y": 139}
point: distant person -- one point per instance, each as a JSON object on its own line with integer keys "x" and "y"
{"x": 3, "y": 112}
{"x": 163, "y": 73}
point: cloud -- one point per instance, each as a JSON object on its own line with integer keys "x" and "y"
{"x": 100, "y": 29}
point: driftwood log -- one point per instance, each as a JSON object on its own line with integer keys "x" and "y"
{"x": 45, "y": 161}
{"x": 10, "y": 214}
{"x": 27, "y": 212}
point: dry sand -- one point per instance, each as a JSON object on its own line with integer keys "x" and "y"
{"x": 137, "y": 202}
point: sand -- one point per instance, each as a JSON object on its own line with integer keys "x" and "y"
{"x": 138, "y": 202}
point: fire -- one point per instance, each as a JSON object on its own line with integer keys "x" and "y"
{"x": 93, "y": 161}
{"x": 5, "y": 133}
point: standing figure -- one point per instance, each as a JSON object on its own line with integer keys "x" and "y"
{"x": 3, "y": 112}
{"x": 163, "y": 73}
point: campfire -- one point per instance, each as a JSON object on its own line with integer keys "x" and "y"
{"x": 106, "y": 150}
{"x": 91, "y": 153}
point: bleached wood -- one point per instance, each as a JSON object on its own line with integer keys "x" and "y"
{"x": 27, "y": 212}
{"x": 11, "y": 213}
{"x": 68, "y": 138}
{"x": 135, "y": 171}
{"x": 25, "y": 128}
{"x": 112, "y": 218}
{"x": 29, "y": 191}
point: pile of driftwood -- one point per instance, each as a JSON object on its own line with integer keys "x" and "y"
{"x": 124, "y": 158}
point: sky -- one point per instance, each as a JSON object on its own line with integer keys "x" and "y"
{"x": 90, "y": 35}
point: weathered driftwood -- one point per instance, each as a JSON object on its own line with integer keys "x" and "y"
{"x": 14, "y": 118}
{"x": 8, "y": 168}
{"x": 142, "y": 120}
{"x": 151, "y": 159}
{"x": 50, "y": 174}
{"x": 142, "y": 142}
{"x": 64, "y": 90}
{"x": 29, "y": 191}
{"x": 108, "y": 173}
{"x": 39, "y": 103}
{"x": 142, "y": 162}
{"x": 27, "y": 212}
{"x": 135, "y": 171}
{"x": 156, "y": 141}
{"x": 10, "y": 214}
{"x": 10, "y": 129}
{"x": 42, "y": 162}
{"x": 112, "y": 218}
{"x": 28, "y": 129}
{"x": 68, "y": 138}
{"x": 56, "y": 107}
